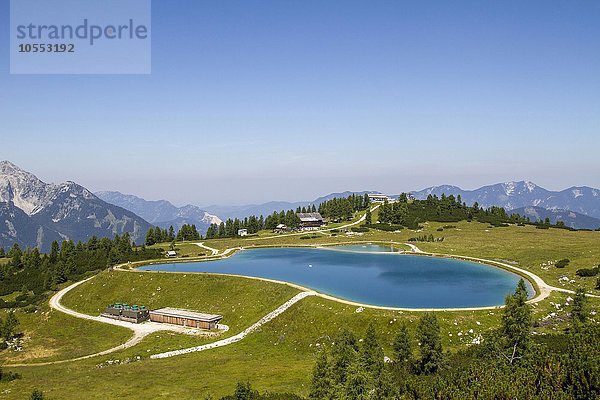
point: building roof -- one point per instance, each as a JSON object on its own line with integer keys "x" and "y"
{"x": 171, "y": 253}
{"x": 176, "y": 312}
{"x": 281, "y": 226}
{"x": 310, "y": 217}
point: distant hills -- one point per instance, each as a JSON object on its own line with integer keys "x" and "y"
{"x": 515, "y": 195}
{"x": 265, "y": 209}
{"x": 161, "y": 212}
{"x": 34, "y": 213}
{"x": 578, "y": 207}
{"x": 570, "y": 218}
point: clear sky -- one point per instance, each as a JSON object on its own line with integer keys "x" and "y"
{"x": 251, "y": 101}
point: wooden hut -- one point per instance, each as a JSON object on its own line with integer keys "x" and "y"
{"x": 187, "y": 318}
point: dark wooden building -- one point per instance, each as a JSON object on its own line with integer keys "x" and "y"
{"x": 311, "y": 220}
{"x": 187, "y": 318}
{"x": 126, "y": 312}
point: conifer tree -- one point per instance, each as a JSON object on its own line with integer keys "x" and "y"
{"x": 371, "y": 353}
{"x": 402, "y": 346}
{"x": 516, "y": 323}
{"x": 322, "y": 384}
{"x": 150, "y": 237}
{"x": 343, "y": 353}
{"x": 431, "y": 344}
{"x": 359, "y": 383}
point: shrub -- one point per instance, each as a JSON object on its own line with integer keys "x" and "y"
{"x": 586, "y": 272}
{"x": 449, "y": 226}
{"x": 562, "y": 263}
{"x": 8, "y": 376}
{"x": 360, "y": 229}
{"x": 440, "y": 229}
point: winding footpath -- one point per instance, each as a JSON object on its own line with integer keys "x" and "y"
{"x": 241, "y": 335}
{"x": 142, "y": 330}
{"x": 213, "y": 250}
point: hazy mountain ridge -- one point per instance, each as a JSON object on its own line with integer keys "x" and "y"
{"x": 268, "y": 208}
{"x": 161, "y": 212}
{"x": 570, "y": 218}
{"x": 514, "y": 195}
{"x": 34, "y": 213}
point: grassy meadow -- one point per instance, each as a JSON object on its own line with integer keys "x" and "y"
{"x": 280, "y": 356}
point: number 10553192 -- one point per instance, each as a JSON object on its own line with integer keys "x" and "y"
{"x": 46, "y": 48}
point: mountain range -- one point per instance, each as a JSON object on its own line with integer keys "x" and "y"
{"x": 265, "y": 209}
{"x": 34, "y": 213}
{"x": 161, "y": 212}
{"x": 570, "y": 218}
{"x": 515, "y": 195}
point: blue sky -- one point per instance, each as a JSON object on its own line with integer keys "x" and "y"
{"x": 251, "y": 101}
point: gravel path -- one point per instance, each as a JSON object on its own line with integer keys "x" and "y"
{"x": 139, "y": 330}
{"x": 214, "y": 251}
{"x": 241, "y": 335}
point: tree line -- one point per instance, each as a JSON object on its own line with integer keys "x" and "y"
{"x": 33, "y": 273}
{"x": 334, "y": 209}
{"x": 343, "y": 209}
{"x": 158, "y": 235}
{"x": 409, "y": 213}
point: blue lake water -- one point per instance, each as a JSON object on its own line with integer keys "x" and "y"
{"x": 369, "y": 274}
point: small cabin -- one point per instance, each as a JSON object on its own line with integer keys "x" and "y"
{"x": 281, "y": 228}
{"x": 242, "y": 232}
{"x": 190, "y": 319}
{"x": 125, "y": 312}
{"x": 171, "y": 253}
{"x": 379, "y": 198}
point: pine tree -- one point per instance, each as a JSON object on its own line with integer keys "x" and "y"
{"x": 9, "y": 326}
{"x": 150, "y": 237}
{"x": 402, "y": 346}
{"x": 158, "y": 235}
{"x": 322, "y": 384}
{"x": 343, "y": 353}
{"x": 359, "y": 383}
{"x": 371, "y": 353}
{"x": 368, "y": 217}
{"x": 431, "y": 344}
{"x": 516, "y": 323}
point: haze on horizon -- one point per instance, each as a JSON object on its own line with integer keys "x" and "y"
{"x": 249, "y": 103}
